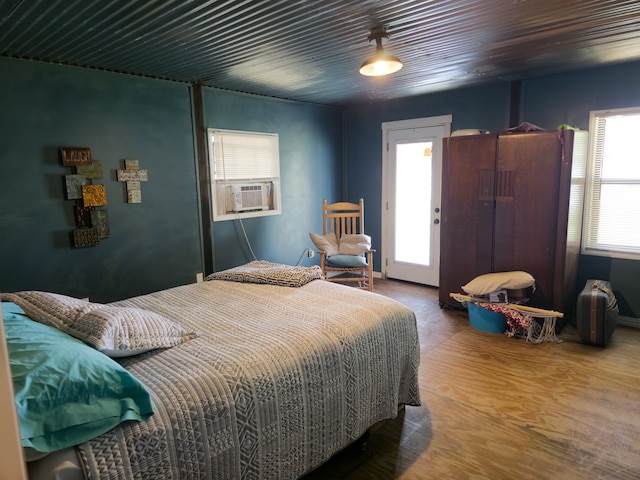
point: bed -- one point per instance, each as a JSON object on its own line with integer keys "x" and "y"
{"x": 267, "y": 380}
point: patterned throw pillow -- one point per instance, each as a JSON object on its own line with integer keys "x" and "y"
{"x": 115, "y": 331}
{"x": 123, "y": 331}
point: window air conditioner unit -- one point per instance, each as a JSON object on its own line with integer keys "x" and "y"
{"x": 251, "y": 196}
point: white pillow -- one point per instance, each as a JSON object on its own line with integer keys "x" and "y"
{"x": 354, "y": 244}
{"x": 325, "y": 243}
{"x": 490, "y": 282}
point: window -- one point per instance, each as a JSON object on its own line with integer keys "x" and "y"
{"x": 612, "y": 198}
{"x": 245, "y": 174}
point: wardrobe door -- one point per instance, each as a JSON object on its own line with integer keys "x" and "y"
{"x": 466, "y": 240}
{"x": 526, "y": 223}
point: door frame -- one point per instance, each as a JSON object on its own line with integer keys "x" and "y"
{"x": 440, "y": 120}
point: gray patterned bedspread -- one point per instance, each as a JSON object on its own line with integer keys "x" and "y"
{"x": 277, "y": 381}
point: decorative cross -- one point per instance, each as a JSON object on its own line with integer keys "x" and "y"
{"x": 132, "y": 176}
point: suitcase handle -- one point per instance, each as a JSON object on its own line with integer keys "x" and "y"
{"x": 613, "y": 302}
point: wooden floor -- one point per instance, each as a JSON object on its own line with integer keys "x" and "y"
{"x": 496, "y": 408}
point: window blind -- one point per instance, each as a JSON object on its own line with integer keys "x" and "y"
{"x": 245, "y": 155}
{"x": 612, "y": 201}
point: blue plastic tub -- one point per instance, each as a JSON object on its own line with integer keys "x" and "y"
{"x": 486, "y": 320}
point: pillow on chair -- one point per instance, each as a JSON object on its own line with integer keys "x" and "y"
{"x": 350, "y": 244}
{"x": 354, "y": 244}
{"x": 326, "y": 243}
{"x": 347, "y": 261}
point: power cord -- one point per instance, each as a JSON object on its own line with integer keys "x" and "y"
{"x": 309, "y": 252}
{"x": 245, "y": 237}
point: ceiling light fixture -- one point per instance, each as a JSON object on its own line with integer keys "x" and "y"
{"x": 381, "y": 63}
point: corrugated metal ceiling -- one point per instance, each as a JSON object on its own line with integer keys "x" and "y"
{"x": 311, "y": 50}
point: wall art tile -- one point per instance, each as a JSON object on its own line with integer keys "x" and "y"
{"x": 100, "y": 220}
{"x": 86, "y": 237}
{"x": 94, "y": 195}
{"x": 72, "y": 157}
{"x": 91, "y": 171}
{"x": 82, "y": 215}
{"x": 74, "y": 185}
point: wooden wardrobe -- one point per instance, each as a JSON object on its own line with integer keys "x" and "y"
{"x": 513, "y": 202}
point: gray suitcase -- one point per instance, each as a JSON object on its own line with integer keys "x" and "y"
{"x": 596, "y": 313}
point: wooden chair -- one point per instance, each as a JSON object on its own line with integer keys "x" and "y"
{"x": 345, "y": 218}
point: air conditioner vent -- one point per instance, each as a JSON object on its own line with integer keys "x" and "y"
{"x": 253, "y": 196}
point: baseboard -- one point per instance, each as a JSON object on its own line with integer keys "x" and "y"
{"x": 629, "y": 321}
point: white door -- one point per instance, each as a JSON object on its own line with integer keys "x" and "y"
{"x": 413, "y": 183}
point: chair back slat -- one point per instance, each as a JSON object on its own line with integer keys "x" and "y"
{"x": 343, "y": 218}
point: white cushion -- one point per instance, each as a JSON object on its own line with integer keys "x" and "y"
{"x": 490, "y": 282}
{"x": 354, "y": 244}
{"x": 325, "y": 243}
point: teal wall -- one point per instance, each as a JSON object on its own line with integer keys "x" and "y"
{"x": 549, "y": 101}
{"x": 155, "y": 244}
{"x": 310, "y": 167}
{"x": 545, "y": 101}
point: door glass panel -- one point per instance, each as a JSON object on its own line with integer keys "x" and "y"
{"x": 413, "y": 202}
